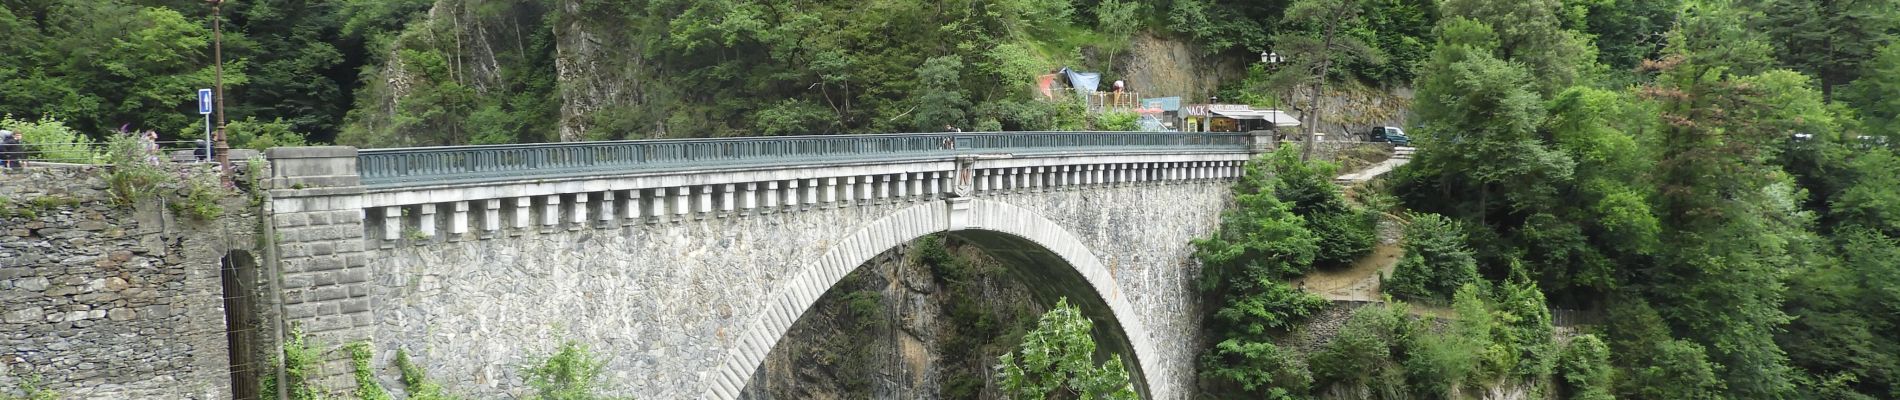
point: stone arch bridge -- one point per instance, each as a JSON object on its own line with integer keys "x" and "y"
{"x": 682, "y": 262}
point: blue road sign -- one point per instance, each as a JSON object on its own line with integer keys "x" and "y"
{"x": 204, "y": 101}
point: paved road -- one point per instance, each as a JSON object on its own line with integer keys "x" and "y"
{"x": 1371, "y": 172}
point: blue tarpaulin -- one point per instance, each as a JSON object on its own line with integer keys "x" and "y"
{"x": 1083, "y": 82}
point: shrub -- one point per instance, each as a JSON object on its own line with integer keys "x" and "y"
{"x": 133, "y": 177}
{"x": 259, "y": 135}
{"x": 1361, "y": 349}
{"x": 1437, "y": 259}
{"x": 366, "y": 386}
{"x": 571, "y": 373}
{"x": 299, "y": 362}
{"x": 49, "y": 139}
{"x": 1583, "y": 369}
{"x": 418, "y": 385}
{"x": 203, "y": 191}
{"x": 1117, "y": 121}
{"x": 1344, "y": 236}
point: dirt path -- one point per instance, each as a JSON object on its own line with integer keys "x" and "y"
{"x": 1359, "y": 282}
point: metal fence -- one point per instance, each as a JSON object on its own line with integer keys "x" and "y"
{"x": 463, "y": 164}
{"x": 87, "y": 153}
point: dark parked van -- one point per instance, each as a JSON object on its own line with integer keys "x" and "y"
{"x": 1389, "y": 134}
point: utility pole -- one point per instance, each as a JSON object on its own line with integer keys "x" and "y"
{"x": 221, "y": 149}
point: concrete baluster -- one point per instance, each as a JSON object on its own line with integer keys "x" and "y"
{"x": 705, "y": 201}
{"x": 632, "y": 210}
{"x": 850, "y": 189}
{"x": 458, "y": 220}
{"x": 811, "y": 192}
{"x": 605, "y": 207}
{"x": 831, "y": 189}
{"x": 771, "y": 196}
{"x": 936, "y": 185}
{"x": 523, "y": 214}
{"x": 392, "y": 223}
{"x": 425, "y": 220}
{"x": 748, "y": 197}
{"x": 577, "y": 217}
{"x": 657, "y": 205}
{"x": 884, "y": 187}
{"x": 726, "y": 199}
{"x": 682, "y": 201}
{"x": 491, "y": 217}
{"x": 551, "y": 210}
{"x": 903, "y": 184}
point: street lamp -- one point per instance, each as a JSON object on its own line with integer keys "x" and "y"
{"x": 221, "y": 149}
{"x": 1271, "y": 57}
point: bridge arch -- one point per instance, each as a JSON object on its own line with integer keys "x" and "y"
{"x": 993, "y": 225}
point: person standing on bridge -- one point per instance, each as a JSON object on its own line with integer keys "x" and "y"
{"x": 12, "y": 150}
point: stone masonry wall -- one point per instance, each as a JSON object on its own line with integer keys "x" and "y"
{"x": 1142, "y": 234}
{"x": 662, "y": 303}
{"x": 101, "y": 301}
{"x": 317, "y": 228}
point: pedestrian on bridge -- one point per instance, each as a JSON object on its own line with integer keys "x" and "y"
{"x": 12, "y": 150}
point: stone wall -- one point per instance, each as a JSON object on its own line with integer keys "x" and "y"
{"x": 664, "y": 303}
{"x": 317, "y": 225}
{"x": 104, "y": 301}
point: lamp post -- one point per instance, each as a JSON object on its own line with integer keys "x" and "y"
{"x": 1271, "y": 58}
{"x": 221, "y": 149}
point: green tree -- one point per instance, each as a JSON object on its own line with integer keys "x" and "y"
{"x": 1480, "y": 117}
{"x": 1437, "y": 260}
{"x": 1531, "y": 32}
{"x": 1722, "y": 276}
{"x": 1260, "y": 243}
{"x": 939, "y": 101}
{"x": 1314, "y": 51}
{"x": 1876, "y": 94}
{"x": 1363, "y": 358}
{"x": 1584, "y": 369}
{"x": 1829, "y": 39}
{"x": 1625, "y": 32}
{"x": 1344, "y": 232}
{"x": 1840, "y": 312}
{"x": 1437, "y": 363}
{"x": 1057, "y": 362}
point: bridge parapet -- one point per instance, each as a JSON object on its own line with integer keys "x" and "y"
{"x": 422, "y": 195}
{"x": 487, "y": 211}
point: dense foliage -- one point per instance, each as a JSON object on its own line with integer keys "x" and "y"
{"x": 1057, "y": 361}
{"x": 1720, "y": 208}
{"x": 1717, "y": 176}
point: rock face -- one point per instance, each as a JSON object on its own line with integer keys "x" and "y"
{"x": 100, "y": 301}
{"x": 904, "y": 326}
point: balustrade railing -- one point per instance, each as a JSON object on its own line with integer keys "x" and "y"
{"x": 463, "y": 164}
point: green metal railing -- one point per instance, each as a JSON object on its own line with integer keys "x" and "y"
{"x": 466, "y": 164}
